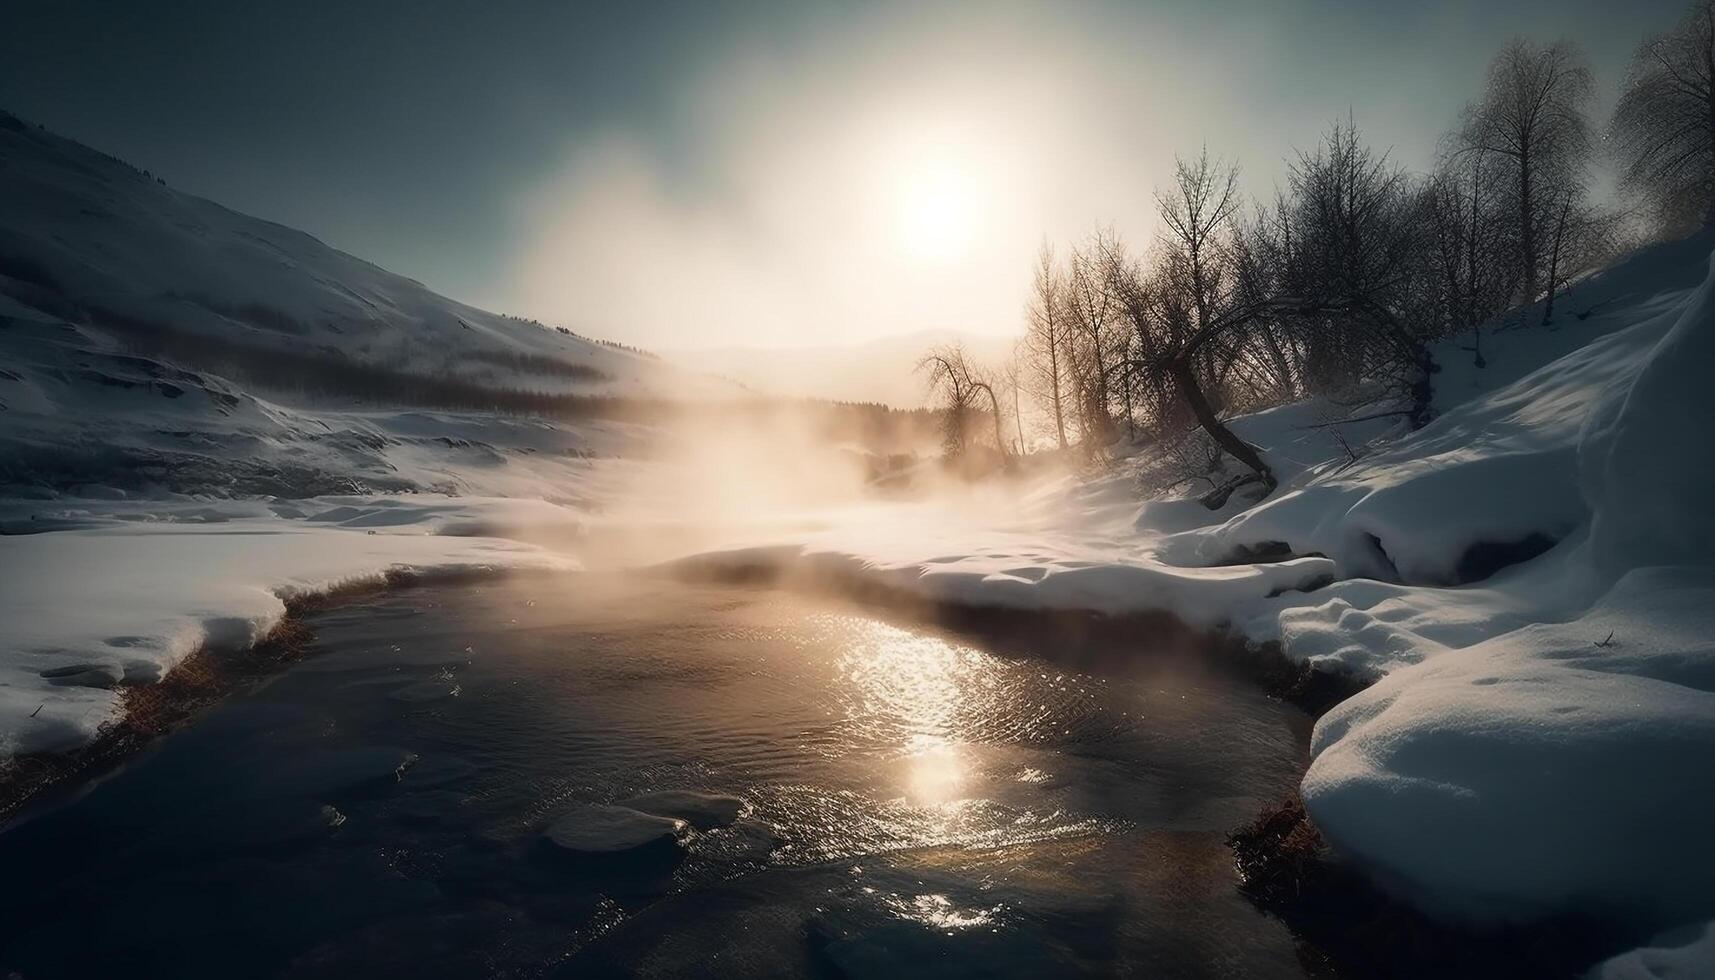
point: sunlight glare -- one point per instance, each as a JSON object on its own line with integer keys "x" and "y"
{"x": 914, "y": 691}
{"x": 938, "y": 214}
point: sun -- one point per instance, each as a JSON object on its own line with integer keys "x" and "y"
{"x": 938, "y": 211}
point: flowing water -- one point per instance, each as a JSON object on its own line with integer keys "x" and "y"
{"x": 912, "y": 802}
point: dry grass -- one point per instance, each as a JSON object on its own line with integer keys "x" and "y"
{"x": 1280, "y": 854}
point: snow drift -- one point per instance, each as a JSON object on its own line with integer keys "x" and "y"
{"x": 1564, "y": 765}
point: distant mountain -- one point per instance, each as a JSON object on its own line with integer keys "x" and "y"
{"x": 155, "y": 342}
{"x": 881, "y": 370}
{"x": 92, "y": 239}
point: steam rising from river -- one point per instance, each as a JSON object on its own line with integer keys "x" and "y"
{"x": 778, "y": 473}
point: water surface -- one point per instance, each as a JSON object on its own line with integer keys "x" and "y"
{"x": 913, "y": 803}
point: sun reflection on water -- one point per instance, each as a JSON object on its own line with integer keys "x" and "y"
{"x": 940, "y": 734}
{"x": 912, "y": 696}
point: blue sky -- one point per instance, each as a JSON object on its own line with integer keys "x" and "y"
{"x": 681, "y": 174}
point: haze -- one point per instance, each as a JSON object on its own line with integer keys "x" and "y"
{"x": 689, "y": 177}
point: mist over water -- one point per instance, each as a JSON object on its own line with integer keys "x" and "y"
{"x": 778, "y": 473}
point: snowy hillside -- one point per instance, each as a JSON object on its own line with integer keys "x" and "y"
{"x": 91, "y": 238}
{"x": 154, "y": 342}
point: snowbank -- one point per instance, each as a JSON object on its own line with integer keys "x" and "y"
{"x": 1557, "y": 767}
{"x": 1537, "y": 741}
{"x": 1688, "y": 957}
{"x": 1562, "y": 765}
{"x": 85, "y": 611}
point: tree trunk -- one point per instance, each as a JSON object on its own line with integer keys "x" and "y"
{"x": 1471, "y": 312}
{"x": 1526, "y": 232}
{"x": 1059, "y": 408}
{"x": 1554, "y": 263}
{"x": 1130, "y": 414}
{"x": 994, "y": 406}
{"x": 1017, "y": 417}
{"x": 1185, "y": 379}
{"x": 1709, "y": 109}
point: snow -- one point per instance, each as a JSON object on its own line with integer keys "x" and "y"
{"x": 123, "y": 601}
{"x": 97, "y": 234}
{"x": 1477, "y": 777}
{"x": 1540, "y": 771}
{"x": 1528, "y": 581}
{"x": 1536, "y": 741}
{"x": 1689, "y": 957}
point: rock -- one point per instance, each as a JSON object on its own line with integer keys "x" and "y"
{"x": 704, "y": 811}
{"x": 598, "y": 830}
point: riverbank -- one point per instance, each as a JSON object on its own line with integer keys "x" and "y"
{"x": 1345, "y": 925}
{"x": 906, "y": 793}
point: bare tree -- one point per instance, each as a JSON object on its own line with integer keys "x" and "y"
{"x": 1663, "y": 131}
{"x": 951, "y": 371}
{"x": 1583, "y": 237}
{"x": 1095, "y": 335}
{"x": 947, "y": 372}
{"x": 1364, "y": 296}
{"x": 1468, "y": 230}
{"x": 1045, "y": 339}
{"x": 1196, "y": 211}
{"x": 1012, "y": 377}
{"x": 1533, "y": 115}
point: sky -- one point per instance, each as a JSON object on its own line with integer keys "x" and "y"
{"x": 705, "y": 174}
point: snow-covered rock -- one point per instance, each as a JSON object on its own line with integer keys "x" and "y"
{"x": 598, "y": 830}
{"x": 704, "y": 811}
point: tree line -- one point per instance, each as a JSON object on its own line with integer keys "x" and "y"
{"x": 1339, "y": 285}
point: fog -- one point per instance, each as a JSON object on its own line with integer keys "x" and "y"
{"x": 897, "y": 173}
{"x": 894, "y": 180}
{"x": 759, "y": 473}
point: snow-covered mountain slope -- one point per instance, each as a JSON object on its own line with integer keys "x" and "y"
{"x": 82, "y": 415}
{"x": 90, "y": 237}
{"x": 154, "y": 342}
